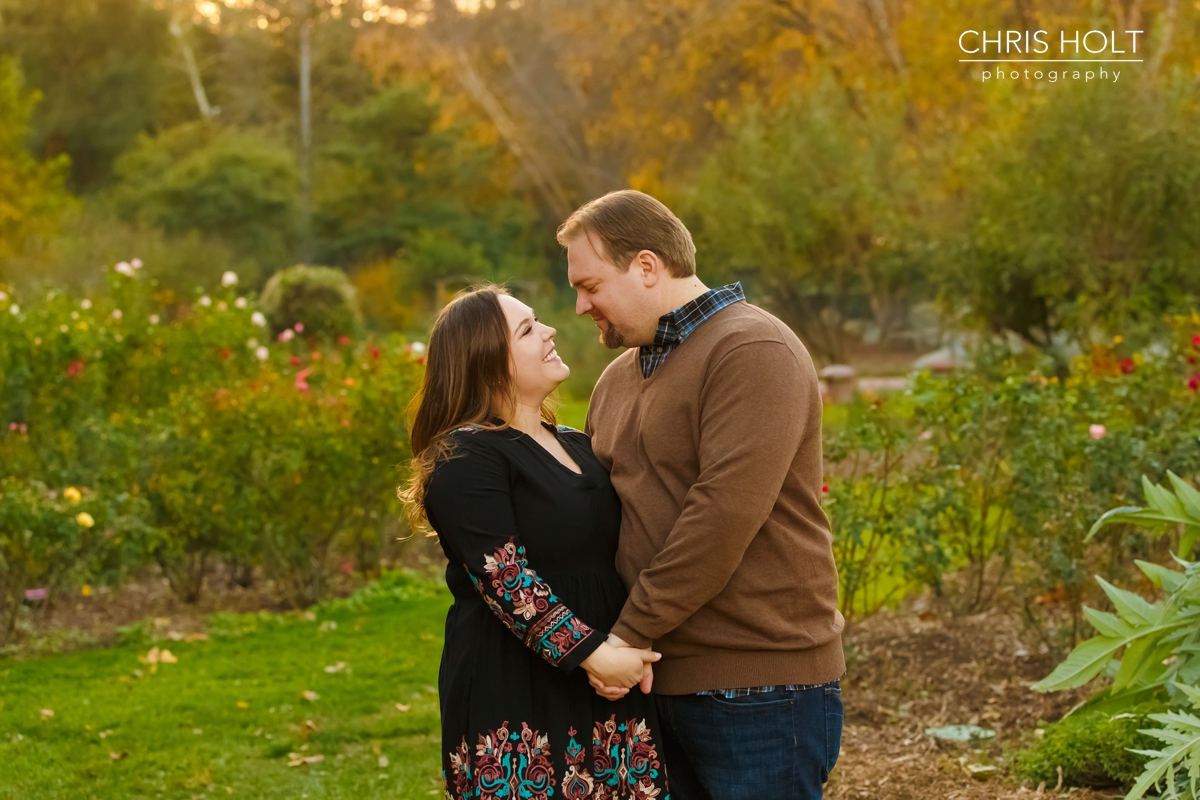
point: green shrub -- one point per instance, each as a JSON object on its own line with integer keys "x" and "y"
{"x": 321, "y": 299}
{"x": 208, "y": 445}
{"x": 1093, "y": 749}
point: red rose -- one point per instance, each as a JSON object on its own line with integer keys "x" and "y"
{"x": 1196, "y": 341}
{"x": 75, "y": 368}
{"x": 1194, "y": 382}
{"x": 295, "y": 361}
{"x": 225, "y": 353}
{"x": 343, "y": 340}
{"x": 1127, "y": 366}
{"x": 375, "y": 353}
{"x": 825, "y": 488}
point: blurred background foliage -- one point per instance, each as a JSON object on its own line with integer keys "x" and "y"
{"x": 835, "y": 157}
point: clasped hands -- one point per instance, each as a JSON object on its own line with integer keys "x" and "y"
{"x": 615, "y": 666}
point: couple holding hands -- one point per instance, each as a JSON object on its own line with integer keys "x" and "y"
{"x": 652, "y": 598}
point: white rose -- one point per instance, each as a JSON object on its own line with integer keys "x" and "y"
{"x": 240, "y": 302}
{"x": 85, "y": 304}
{"x": 124, "y": 269}
{"x": 136, "y": 263}
{"x": 14, "y": 309}
{"x": 154, "y": 319}
{"x": 229, "y": 278}
{"x": 258, "y": 319}
{"x": 252, "y": 343}
{"x": 418, "y": 348}
{"x": 116, "y": 313}
{"x": 262, "y": 353}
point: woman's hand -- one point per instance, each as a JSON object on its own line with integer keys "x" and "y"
{"x": 619, "y": 667}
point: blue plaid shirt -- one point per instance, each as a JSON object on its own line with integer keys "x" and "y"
{"x": 677, "y": 325}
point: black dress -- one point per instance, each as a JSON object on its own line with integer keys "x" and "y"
{"x": 531, "y": 546}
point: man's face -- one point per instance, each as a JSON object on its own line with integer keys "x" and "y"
{"x": 615, "y": 300}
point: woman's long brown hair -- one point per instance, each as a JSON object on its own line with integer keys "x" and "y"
{"x": 467, "y": 380}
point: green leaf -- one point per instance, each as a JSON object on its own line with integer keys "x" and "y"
{"x": 1132, "y": 607}
{"x": 1115, "y": 515}
{"x": 1163, "y": 501}
{"x": 1169, "y": 580}
{"x": 1162, "y": 762}
{"x": 1107, "y": 624}
{"x": 1142, "y": 661}
{"x": 1083, "y": 663}
{"x": 1105, "y": 702}
{"x": 1188, "y": 496}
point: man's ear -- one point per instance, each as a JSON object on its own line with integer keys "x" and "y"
{"x": 649, "y": 266}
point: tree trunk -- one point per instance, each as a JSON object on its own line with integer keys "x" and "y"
{"x": 189, "y": 60}
{"x": 306, "y": 26}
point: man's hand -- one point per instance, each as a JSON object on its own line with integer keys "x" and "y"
{"x": 644, "y": 684}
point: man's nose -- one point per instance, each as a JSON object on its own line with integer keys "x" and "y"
{"x": 582, "y": 306}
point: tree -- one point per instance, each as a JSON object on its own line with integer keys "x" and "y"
{"x": 32, "y": 193}
{"x": 233, "y": 186}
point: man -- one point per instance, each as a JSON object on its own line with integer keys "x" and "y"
{"x": 710, "y": 423}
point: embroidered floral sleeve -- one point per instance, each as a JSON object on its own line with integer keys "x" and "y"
{"x": 470, "y": 506}
{"x": 527, "y": 607}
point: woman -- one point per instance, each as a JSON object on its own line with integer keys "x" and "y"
{"x": 529, "y": 522}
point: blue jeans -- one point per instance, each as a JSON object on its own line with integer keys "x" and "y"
{"x": 777, "y": 745}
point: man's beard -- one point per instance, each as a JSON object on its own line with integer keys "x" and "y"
{"x": 612, "y": 338}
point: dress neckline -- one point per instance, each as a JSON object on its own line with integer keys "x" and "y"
{"x": 554, "y": 432}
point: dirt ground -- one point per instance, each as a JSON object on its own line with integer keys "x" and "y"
{"x": 909, "y": 671}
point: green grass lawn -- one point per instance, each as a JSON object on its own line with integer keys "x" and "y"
{"x": 222, "y": 721}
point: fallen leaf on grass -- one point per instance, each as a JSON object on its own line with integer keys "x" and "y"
{"x": 197, "y": 731}
{"x": 117, "y": 756}
{"x": 338, "y": 667}
{"x": 311, "y": 697}
{"x": 47, "y": 713}
{"x": 242, "y": 704}
{"x": 105, "y": 734}
{"x": 196, "y": 637}
{"x": 383, "y": 761}
{"x": 166, "y": 658}
{"x": 304, "y": 759}
{"x": 402, "y": 707}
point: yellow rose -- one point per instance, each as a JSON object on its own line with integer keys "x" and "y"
{"x": 72, "y": 494}
{"x": 85, "y": 519}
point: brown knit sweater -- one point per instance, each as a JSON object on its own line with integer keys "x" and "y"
{"x": 724, "y": 544}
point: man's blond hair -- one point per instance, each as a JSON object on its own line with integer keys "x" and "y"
{"x": 627, "y": 222}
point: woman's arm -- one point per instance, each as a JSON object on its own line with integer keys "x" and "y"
{"x": 469, "y": 504}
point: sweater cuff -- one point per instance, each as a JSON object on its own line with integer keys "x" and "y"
{"x": 581, "y": 651}
{"x": 631, "y": 636}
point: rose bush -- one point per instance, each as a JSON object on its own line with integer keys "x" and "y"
{"x": 982, "y": 484}
{"x": 226, "y": 444}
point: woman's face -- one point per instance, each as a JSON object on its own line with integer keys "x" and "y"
{"x": 536, "y": 368}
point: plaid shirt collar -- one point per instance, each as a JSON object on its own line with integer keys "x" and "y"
{"x": 677, "y": 325}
